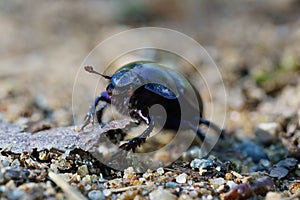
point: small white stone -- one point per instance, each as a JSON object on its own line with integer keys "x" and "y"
{"x": 160, "y": 171}
{"x": 106, "y": 192}
{"x": 142, "y": 180}
{"x": 181, "y": 178}
{"x": 161, "y": 194}
{"x": 231, "y": 184}
{"x": 96, "y": 194}
{"x": 193, "y": 193}
{"x": 217, "y": 181}
{"x": 128, "y": 173}
{"x": 88, "y": 187}
{"x": 265, "y": 162}
{"x": 209, "y": 197}
{"x": 195, "y": 163}
{"x": 270, "y": 127}
{"x": 273, "y": 196}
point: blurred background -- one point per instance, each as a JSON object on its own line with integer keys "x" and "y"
{"x": 256, "y": 45}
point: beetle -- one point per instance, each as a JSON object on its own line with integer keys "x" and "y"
{"x": 138, "y": 86}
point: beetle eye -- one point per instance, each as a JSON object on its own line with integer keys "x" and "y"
{"x": 109, "y": 89}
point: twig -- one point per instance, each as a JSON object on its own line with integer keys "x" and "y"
{"x": 128, "y": 188}
{"x": 295, "y": 196}
{"x": 71, "y": 193}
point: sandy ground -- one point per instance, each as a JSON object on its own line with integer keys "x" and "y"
{"x": 255, "y": 44}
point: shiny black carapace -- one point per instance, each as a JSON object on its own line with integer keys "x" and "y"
{"x": 136, "y": 87}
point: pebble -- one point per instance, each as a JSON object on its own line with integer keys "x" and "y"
{"x": 64, "y": 164}
{"x": 106, "y": 192}
{"x": 16, "y": 194}
{"x": 14, "y": 174}
{"x": 271, "y": 128}
{"x": 231, "y": 184}
{"x": 184, "y": 197}
{"x": 4, "y": 161}
{"x": 96, "y": 195}
{"x": 190, "y": 182}
{"x": 273, "y": 196}
{"x": 193, "y": 194}
{"x": 253, "y": 150}
{"x": 162, "y": 195}
{"x": 288, "y": 163}
{"x": 171, "y": 185}
{"x": 282, "y": 168}
{"x": 128, "y": 173}
{"x": 181, "y": 178}
{"x": 44, "y": 155}
{"x": 228, "y": 176}
{"x": 129, "y": 194}
{"x": 82, "y": 171}
{"x": 201, "y": 163}
{"x": 222, "y": 188}
{"x": 115, "y": 182}
{"x": 86, "y": 179}
{"x": 295, "y": 188}
{"x": 160, "y": 171}
{"x": 265, "y": 163}
{"x": 297, "y": 172}
{"x": 142, "y": 180}
{"x": 209, "y": 197}
{"x": 15, "y": 163}
{"x": 216, "y": 182}
{"x": 1, "y": 178}
{"x": 88, "y": 187}
{"x": 267, "y": 133}
{"x": 145, "y": 192}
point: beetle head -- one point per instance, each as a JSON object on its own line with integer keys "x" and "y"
{"x": 123, "y": 82}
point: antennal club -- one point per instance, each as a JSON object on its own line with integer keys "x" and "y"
{"x": 90, "y": 69}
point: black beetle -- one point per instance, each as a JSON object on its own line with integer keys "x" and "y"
{"x": 137, "y": 86}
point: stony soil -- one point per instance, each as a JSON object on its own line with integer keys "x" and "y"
{"x": 256, "y": 46}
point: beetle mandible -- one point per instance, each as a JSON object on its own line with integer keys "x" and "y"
{"x": 137, "y": 86}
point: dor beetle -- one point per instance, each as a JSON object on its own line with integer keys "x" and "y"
{"x": 136, "y": 87}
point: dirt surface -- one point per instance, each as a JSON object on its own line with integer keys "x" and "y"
{"x": 256, "y": 46}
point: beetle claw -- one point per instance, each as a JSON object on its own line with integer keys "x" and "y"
{"x": 89, "y": 118}
{"x": 133, "y": 144}
{"x": 137, "y": 141}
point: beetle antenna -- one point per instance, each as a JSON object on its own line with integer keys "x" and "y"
{"x": 90, "y": 69}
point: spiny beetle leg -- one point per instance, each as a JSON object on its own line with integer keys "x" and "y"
{"x": 99, "y": 114}
{"x": 213, "y": 126}
{"x": 90, "y": 115}
{"x": 200, "y": 134}
{"x": 137, "y": 141}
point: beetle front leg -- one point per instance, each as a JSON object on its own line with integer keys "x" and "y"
{"x": 99, "y": 113}
{"x": 89, "y": 118}
{"x": 137, "y": 141}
